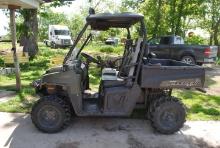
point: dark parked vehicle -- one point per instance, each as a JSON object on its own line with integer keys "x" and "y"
{"x": 141, "y": 81}
{"x": 112, "y": 41}
{"x": 173, "y": 47}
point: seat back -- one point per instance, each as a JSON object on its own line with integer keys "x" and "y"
{"x": 135, "y": 56}
{"x": 123, "y": 71}
{"x": 130, "y": 59}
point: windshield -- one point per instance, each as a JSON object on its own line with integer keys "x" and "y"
{"x": 62, "y": 32}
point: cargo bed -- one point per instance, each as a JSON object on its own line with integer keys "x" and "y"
{"x": 163, "y": 73}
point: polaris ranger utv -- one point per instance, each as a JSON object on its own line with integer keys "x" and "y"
{"x": 140, "y": 81}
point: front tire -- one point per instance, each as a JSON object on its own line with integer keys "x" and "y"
{"x": 46, "y": 43}
{"x": 51, "y": 114}
{"x": 167, "y": 115}
{"x": 53, "y": 45}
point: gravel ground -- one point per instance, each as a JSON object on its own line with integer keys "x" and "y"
{"x": 17, "y": 131}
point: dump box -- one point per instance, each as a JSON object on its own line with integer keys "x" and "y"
{"x": 163, "y": 73}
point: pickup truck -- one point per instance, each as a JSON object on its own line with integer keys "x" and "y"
{"x": 173, "y": 47}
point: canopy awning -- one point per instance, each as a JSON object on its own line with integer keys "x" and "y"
{"x": 105, "y": 21}
{"x": 29, "y": 4}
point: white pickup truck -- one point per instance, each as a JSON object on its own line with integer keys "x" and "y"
{"x": 59, "y": 36}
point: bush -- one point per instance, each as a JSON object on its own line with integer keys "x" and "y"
{"x": 218, "y": 61}
{"x": 1, "y": 62}
{"x": 195, "y": 40}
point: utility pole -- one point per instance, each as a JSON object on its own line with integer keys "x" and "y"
{"x": 13, "y": 37}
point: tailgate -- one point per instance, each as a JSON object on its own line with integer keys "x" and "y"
{"x": 213, "y": 51}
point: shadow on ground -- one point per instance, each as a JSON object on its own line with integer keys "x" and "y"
{"x": 98, "y": 133}
{"x": 212, "y": 72}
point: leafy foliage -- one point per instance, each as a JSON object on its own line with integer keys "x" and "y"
{"x": 165, "y": 17}
{"x": 195, "y": 40}
{"x": 218, "y": 61}
{"x": 1, "y": 62}
{"x": 47, "y": 17}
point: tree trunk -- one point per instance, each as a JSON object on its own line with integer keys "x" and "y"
{"x": 173, "y": 12}
{"x": 157, "y": 19}
{"x": 210, "y": 39}
{"x": 216, "y": 32}
{"x": 29, "y": 36}
{"x": 180, "y": 14}
{"x": 212, "y": 22}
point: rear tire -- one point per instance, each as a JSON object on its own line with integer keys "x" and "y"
{"x": 167, "y": 115}
{"x": 51, "y": 114}
{"x": 188, "y": 60}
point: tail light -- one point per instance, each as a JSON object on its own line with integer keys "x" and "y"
{"x": 207, "y": 52}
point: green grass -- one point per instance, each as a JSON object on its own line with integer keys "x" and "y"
{"x": 199, "y": 106}
{"x": 21, "y": 103}
{"x": 104, "y": 50}
{"x": 23, "y": 100}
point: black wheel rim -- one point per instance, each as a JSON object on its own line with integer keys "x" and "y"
{"x": 49, "y": 117}
{"x": 169, "y": 118}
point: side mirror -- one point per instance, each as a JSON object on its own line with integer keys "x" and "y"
{"x": 152, "y": 55}
{"x": 91, "y": 11}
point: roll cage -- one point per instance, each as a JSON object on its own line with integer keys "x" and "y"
{"x": 105, "y": 21}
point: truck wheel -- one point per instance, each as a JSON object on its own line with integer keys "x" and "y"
{"x": 167, "y": 115}
{"x": 53, "y": 45}
{"x": 50, "y": 114}
{"x": 188, "y": 60}
{"x": 46, "y": 43}
{"x": 153, "y": 96}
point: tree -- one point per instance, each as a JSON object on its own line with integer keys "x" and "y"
{"x": 29, "y": 35}
{"x": 75, "y": 24}
{"x": 158, "y": 16}
{"x": 48, "y": 17}
{"x": 167, "y": 16}
{"x": 213, "y": 15}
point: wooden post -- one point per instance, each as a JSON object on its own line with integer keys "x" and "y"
{"x": 13, "y": 37}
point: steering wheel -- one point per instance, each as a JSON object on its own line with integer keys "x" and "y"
{"x": 90, "y": 58}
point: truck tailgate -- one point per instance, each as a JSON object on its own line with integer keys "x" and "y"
{"x": 213, "y": 52}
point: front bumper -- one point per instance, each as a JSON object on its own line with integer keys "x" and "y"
{"x": 36, "y": 83}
